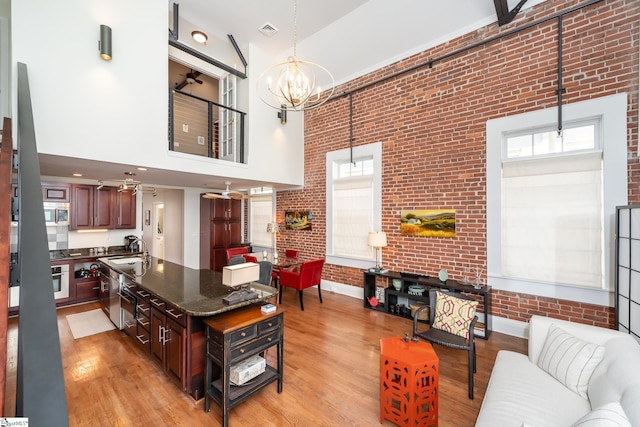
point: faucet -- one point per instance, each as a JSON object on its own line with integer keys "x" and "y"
{"x": 145, "y": 252}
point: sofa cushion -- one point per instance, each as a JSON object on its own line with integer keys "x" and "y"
{"x": 520, "y": 392}
{"x": 453, "y": 315}
{"x": 569, "y": 359}
{"x": 608, "y": 415}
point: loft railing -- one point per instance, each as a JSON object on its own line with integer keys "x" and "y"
{"x": 40, "y": 393}
{"x": 205, "y": 128}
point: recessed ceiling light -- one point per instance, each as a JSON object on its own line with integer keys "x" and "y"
{"x": 77, "y": 174}
{"x": 199, "y": 36}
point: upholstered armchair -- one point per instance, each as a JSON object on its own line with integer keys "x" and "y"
{"x": 309, "y": 274}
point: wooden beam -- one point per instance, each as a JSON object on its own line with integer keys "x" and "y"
{"x": 6, "y": 154}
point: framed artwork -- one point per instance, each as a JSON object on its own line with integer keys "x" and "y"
{"x": 147, "y": 217}
{"x": 429, "y": 223}
{"x": 297, "y": 220}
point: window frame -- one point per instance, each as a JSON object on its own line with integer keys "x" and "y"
{"x": 374, "y": 151}
{"x": 611, "y": 111}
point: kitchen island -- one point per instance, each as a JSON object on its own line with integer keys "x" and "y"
{"x": 162, "y": 305}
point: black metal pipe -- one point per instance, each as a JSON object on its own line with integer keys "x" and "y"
{"x": 351, "y": 138}
{"x": 560, "y": 88}
{"x": 430, "y": 62}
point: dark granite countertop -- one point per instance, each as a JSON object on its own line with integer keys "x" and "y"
{"x": 81, "y": 253}
{"x": 196, "y": 292}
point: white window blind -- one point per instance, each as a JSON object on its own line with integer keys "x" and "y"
{"x": 261, "y": 214}
{"x": 352, "y": 216}
{"x": 552, "y": 219}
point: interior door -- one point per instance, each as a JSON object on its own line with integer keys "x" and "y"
{"x": 228, "y": 119}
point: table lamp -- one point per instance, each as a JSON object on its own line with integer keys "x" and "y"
{"x": 377, "y": 240}
{"x": 273, "y": 227}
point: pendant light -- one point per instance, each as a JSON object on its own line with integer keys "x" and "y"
{"x": 294, "y": 84}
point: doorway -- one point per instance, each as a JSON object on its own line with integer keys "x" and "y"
{"x": 158, "y": 230}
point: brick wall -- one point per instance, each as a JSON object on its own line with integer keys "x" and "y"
{"x": 431, "y": 123}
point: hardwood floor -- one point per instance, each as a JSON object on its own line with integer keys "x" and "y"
{"x": 331, "y": 374}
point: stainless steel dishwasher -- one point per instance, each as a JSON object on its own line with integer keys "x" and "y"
{"x": 114, "y": 298}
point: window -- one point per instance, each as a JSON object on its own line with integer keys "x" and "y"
{"x": 550, "y": 200}
{"x": 353, "y": 204}
{"x": 260, "y": 214}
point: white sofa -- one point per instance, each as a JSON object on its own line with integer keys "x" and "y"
{"x": 522, "y": 394}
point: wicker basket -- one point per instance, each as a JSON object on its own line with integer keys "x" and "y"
{"x": 424, "y": 314}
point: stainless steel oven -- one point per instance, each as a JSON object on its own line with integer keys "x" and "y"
{"x": 60, "y": 277}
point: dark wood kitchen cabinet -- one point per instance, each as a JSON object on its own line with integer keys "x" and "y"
{"x": 125, "y": 209}
{"x": 225, "y": 230}
{"x": 168, "y": 342}
{"x": 106, "y": 207}
{"x": 55, "y": 192}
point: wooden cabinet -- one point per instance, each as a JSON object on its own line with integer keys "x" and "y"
{"x": 414, "y": 289}
{"x": 225, "y": 229}
{"x": 55, "y": 192}
{"x": 232, "y": 338}
{"x": 93, "y": 208}
{"x": 125, "y": 209}
{"x": 168, "y": 343}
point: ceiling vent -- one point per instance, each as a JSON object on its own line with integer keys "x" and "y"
{"x": 268, "y": 29}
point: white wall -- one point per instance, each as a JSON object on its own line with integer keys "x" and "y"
{"x": 116, "y": 111}
{"x": 103, "y": 110}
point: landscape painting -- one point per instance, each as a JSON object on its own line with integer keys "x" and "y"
{"x": 429, "y": 223}
{"x": 297, "y": 220}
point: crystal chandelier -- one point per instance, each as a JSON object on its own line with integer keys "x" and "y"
{"x": 294, "y": 84}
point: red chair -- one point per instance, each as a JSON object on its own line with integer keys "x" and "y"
{"x": 250, "y": 258}
{"x": 291, "y": 253}
{"x": 309, "y": 275}
{"x": 231, "y": 252}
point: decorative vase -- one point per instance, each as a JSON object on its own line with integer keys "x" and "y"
{"x": 397, "y": 284}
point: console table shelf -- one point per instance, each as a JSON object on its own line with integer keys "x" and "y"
{"x": 384, "y": 282}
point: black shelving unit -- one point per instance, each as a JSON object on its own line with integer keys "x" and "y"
{"x": 393, "y": 297}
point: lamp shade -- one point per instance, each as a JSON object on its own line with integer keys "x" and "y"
{"x": 273, "y": 227}
{"x": 377, "y": 239}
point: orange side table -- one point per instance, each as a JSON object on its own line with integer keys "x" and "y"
{"x": 408, "y": 382}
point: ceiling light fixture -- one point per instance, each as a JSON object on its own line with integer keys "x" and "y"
{"x": 294, "y": 84}
{"x": 199, "y": 37}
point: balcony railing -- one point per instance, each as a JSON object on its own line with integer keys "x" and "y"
{"x": 205, "y": 128}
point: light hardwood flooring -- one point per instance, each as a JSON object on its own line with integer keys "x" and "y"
{"x": 331, "y": 374}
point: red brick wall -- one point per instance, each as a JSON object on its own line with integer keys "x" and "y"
{"x": 431, "y": 123}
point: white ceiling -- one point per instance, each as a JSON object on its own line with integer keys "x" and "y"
{"x": 348, "y": 37}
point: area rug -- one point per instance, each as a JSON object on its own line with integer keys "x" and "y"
{"x": 89, "y": 323}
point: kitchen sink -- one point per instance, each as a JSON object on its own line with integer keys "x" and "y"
{"x": 129, "y": 260}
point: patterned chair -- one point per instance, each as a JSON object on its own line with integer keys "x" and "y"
{"x": 309, "y": 275}
{"x": 452, "y": 318}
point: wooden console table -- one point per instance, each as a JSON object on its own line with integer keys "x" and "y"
{"x": 231, "y": 338}
{"x": 404, "y": 296}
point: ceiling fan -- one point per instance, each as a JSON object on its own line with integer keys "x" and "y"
{"x": 226, "y": 194}
{"x": 190, "y": 78}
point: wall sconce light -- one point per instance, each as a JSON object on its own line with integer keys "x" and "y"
{"x": 199, "y": 37}
{"x": 282, "y": 115}
{"x": 104, "y": 45}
